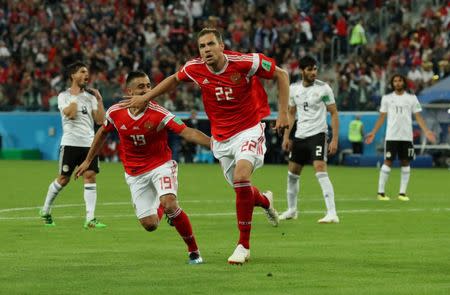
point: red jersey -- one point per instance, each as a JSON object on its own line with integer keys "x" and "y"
{"x": 143, "y": 137}
{"x": 234, "y": 98}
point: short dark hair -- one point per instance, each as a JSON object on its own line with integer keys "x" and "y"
{"x": 206, "y": 31}
{"x": 307, "y": 61}
{"x": 133, "y": 75}
{"x": 74, "y": 67}
{"x": 405, "y": 82}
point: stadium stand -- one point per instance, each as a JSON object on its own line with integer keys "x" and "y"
{"x": 359, "y": 45}
{"x": 157, "y": 36}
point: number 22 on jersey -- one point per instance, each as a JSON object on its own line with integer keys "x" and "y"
{"x": 224, "y": 93}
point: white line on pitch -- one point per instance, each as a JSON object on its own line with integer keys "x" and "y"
{"x": 182, "y": 201}
{"x": 351, "y": 211}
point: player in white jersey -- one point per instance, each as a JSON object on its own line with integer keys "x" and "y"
{"x": 311, "y": 99}
{"x": 399, "y": 107}
{"x": 80, "y": 108}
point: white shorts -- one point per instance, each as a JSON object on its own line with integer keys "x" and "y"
{"x": 249, "y": 145}
{"x": 147, "y": 188}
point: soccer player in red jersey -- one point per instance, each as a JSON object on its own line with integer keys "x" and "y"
{"x": 149, "y": 169}
{"x": 235, "y": 103}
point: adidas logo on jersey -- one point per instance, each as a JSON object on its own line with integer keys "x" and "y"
{"x": 206, "y": 81}
{"x": 123, "y": 127}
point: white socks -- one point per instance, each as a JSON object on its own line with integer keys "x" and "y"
{"x": 405, "y": 172}
{"x": 90, "y": 198}
{"x": 327, "y": 191}
{"x": 53, "y": 190}
{"x": 384, "y": 175}
{"x": 293, "y": 186}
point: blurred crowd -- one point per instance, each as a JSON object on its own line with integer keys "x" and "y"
{"x": 39, "y": 38}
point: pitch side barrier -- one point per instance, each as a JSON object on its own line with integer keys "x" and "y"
{"x": 41, "y": 132}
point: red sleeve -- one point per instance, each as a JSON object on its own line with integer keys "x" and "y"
{"x": 176, "y": 125}
{"x": 182, "y": 75}
{"x": 108, "y": 126}
{"x": 266, "y": 67}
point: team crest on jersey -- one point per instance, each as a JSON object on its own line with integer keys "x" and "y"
{"x": 236, "y": 78}
{"x": 84, "y": 110}
{"x": 148, "y": 125}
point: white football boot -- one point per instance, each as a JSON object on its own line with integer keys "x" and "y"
{"x": 329, "y": 218}
{"x": 289, "y": 214}
{"x": 271, "y": 213}
{"x": 239, "y": 256}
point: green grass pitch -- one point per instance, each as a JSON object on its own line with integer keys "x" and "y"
{"x": 378, "y": 248}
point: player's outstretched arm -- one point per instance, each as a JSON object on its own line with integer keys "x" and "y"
{"x": 428, "y": 133}
{"x": 282, "y": 78}
{"x": 140, "y": 101}
{"x": 196, "y": 136}
{"x": 371, "y": 135}
{"x": 97, "y": 144}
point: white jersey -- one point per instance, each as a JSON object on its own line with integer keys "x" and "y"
{"x": 399, "y": 109}
{"x": 79, "y": 131}
{"x": 311, "y": 103}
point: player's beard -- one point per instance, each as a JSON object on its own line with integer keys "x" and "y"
{"x": 310, "y": 79}
{"x": 82, "y": 85}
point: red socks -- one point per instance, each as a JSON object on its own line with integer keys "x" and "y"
{"x": 260, "y": 199}
{"x": 184, "y": 228}
{"x": 244, "y": 210}
{"x": 160, "y": 211}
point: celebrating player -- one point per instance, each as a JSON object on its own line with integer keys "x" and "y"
{"x": 235, "y": 102}
{"x": 399, "y": 107}
{"x": 146, "y": 157}
{"x": 80, "y": 108}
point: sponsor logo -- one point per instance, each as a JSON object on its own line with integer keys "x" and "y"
{"x": 266, "y": 65}
{"x": 236, "y": 78}
{"x": 136, "y": 128}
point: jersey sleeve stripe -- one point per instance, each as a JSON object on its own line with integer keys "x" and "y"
{"x": 255, "y": 65}
{"x": 110, "y": 111}
{"x": 187, "y": 74}
{"x": 164, "y": 121}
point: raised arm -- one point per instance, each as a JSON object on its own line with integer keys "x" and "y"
{"x": 140, "y": 101}
{"x": 371, "y": 135}
{"x": 428, "y": 133}
{"x": 97, "y": 144}
{"x": 196, "y": 136}
{"x": 99, "y": 114}
{"x": 332, "y": 109}
{"x": 282, "y": 79}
